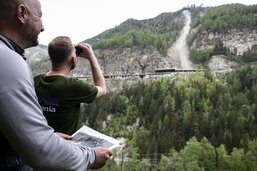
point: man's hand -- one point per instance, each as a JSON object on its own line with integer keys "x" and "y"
{"x": 87, "y": 51}
{"x": 102, "y": 155}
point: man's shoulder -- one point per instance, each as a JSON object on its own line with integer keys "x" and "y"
{"x": 79, "y": 83}
{"x": 75, "y": 80}
{"x": 12, "y": 63}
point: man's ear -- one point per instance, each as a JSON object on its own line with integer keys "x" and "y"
{"x": 72, "y": 62}
{"x": 22, "y": 13}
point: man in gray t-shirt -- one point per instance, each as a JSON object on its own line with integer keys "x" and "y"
{"x": 25, "y": 136}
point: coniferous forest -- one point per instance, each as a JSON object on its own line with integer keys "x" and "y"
{"x": 200, "y": 121}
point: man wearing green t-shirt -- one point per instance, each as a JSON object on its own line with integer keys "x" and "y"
{"x": 60, "y": 96}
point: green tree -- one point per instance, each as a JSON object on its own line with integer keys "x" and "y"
{"x": 237, "y": 160}
{"x": 250, "y": 161}
{"x": 171, "y": 162}
{"x": 223, "y": 159}
{"x": 190, "y": 155}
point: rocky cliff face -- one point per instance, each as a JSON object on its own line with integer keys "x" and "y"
{"x": 129, "y": 60}
{"x": 238, "y": 41}
{"x": 112, "y": 61}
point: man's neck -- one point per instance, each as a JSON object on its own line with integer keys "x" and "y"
{"x": 57, "y": 73}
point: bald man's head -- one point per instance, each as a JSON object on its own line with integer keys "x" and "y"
{"x": 20, "y": 20}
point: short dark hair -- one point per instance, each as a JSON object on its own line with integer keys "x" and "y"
{"x": 60, "y": 49}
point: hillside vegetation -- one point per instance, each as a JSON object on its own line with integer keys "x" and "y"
{"x": 214, "y": 34}
{"x": 202, "y": 111}
{"x": 137, "y": 46}
{"x": 122, "y": 49}
{"x": 226, "y": 17}
{"x": 159, "y": 32}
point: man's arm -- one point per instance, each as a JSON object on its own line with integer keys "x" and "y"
{"x": 98, "y": 77}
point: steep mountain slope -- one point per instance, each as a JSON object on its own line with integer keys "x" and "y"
{"x": 227, "y": 34}
{"x": 215, "y": 40}
{"x": 132, "y": 47}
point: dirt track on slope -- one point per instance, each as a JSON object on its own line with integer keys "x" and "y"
{"x": 178, "y": 53}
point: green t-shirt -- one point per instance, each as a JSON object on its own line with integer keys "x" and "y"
{"x": 60, "y": 99}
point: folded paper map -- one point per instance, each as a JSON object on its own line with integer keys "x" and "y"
{"x": 89, "y": 137}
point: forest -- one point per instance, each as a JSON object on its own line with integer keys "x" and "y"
{"x": 195, "y": 122}
{"x": 219, "y": 19}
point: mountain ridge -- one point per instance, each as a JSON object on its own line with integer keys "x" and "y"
{"x": 137, "y": 46}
